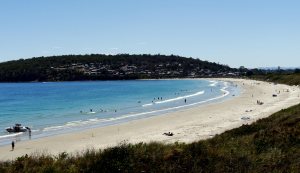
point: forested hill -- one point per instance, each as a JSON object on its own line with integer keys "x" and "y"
{"x": 104, "y": 67}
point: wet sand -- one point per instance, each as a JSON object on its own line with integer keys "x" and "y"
{"x": 188, "y": 125}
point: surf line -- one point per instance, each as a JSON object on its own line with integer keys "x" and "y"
{"x": 174, "y": 99}
{"x": 96, "y": 120}
{"x": 213, "y": 83}
{"x": 11, "y": 135}
{"x": 172, "y": 108}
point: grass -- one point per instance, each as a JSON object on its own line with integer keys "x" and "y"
{"x": 290, "y": 79}
{"x": 269, "y": 145}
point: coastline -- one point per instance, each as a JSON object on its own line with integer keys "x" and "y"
{"x": 188, "y": 125}
{"x": 44, "y": 121}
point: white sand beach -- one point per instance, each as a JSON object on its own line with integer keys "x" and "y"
{"x": 200, "y": 122}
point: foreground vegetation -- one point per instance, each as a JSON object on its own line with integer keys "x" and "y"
{"x": 269, "y": 145}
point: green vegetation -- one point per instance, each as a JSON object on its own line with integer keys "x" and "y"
{"x": 290, "y": 79}
{"x": 269, "y": 145}
{"x": 108, "y": 67}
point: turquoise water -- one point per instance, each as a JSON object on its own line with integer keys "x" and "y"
{"x": 60, "y": 107}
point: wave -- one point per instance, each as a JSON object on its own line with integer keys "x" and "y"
{"x": 213, "y": 83}
{"x": 53, "y": 128}
{"x": 73, "y": 124}
{"x": 175, "y": 99}
{"x": 148, "y": 104}
{"x": 177, "y": 107}
{"x": 224, "y": 89}
{"x": 11, "y": 135}
{"x": 99, "y": 120}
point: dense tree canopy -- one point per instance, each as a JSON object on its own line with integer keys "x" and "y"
{"x": 101, "y": 67}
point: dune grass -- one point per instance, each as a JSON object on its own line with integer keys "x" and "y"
{"x": 269, "y": 145}
{"x": 290, "y": 79}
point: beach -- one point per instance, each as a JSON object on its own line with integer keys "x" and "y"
{"x": 187, "y": 125}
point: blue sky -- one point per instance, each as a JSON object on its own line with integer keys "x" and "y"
{"x": 252, "y": 33}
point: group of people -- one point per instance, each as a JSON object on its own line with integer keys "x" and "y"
{"x": 158, "y": 98}
{"x": 91, "y": 111}
{"x": 259, "y": 102}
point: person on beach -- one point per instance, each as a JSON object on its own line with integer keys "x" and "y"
{"x": 184, "y": 100}
{"x": 12, "y": 146}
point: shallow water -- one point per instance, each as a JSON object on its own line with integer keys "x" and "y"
{"x": 60, "y": 107}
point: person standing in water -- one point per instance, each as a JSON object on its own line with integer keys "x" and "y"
{"x": 184, "y": 100}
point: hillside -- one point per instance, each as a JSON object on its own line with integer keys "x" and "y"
{"x": 290, "y": 79}
{"x": 109, "y": 67}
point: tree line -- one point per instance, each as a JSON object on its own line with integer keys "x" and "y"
{"x": 59, "y": 68}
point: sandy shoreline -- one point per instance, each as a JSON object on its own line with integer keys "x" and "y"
{"x": 188, "y": 125}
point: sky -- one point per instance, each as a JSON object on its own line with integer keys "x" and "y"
{"x": 250, "y": 33}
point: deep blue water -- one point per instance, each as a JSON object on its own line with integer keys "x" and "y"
{"x": 59, "y": 107}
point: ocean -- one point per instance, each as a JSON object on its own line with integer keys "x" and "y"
{"x": 51, "y": 108}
